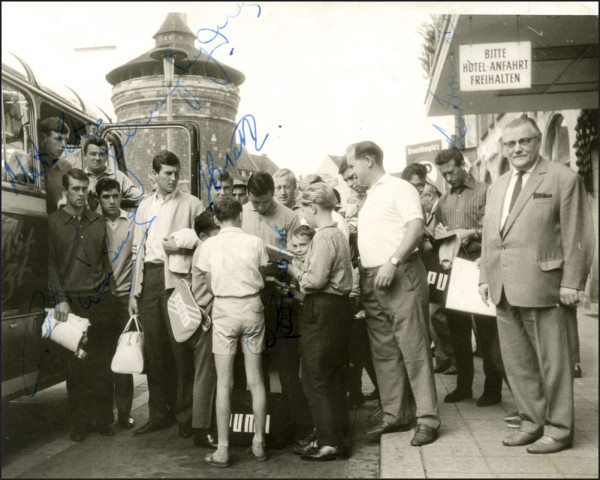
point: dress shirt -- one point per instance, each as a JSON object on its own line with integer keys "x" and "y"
{"x": 159, "y": 229}
{"x": 119, "y": 240}
{"x": 509, "y": 191}
{"x": 77, "y": 260}
{"x": 327, "y": 268}
{"x": 390, "y": 204}
{"x": 233, "y": 258}
{"x": 463, "y": 208}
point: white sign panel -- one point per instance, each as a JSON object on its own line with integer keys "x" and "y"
{"x": 463, "y": 289}
{"x": 495, "y": 66}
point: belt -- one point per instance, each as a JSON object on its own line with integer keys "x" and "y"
{"x": 413, "y": 256}
{"x": 252, "y": 295}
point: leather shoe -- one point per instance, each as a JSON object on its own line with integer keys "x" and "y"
{"x": 204, "y": 439}
{"x": 547, "y": 444}
{"x": 374, "y": 395}
{"x": 424, "y": 435}
{"x": 152, "y": 427}
{"x": 520, "y": 438}
{"x": 451, "y": 370}
{"x": 375, "y": 434}
{"x": 105, "y": 430}
{"x": 185, "y": 430}
{"x": 355, "y": 400}
{"x": 458, "y": 395}
{"x": 441, "y": 367}
{"x": 488, "y": 399}
{"x": 303, "y": 442}
{"x": 302, "y": 449}
{"x": 126, "y": 420}
{"x": 321, "y": 454}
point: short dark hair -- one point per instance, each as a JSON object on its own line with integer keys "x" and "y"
{"x": 226, "y": 177}
{"x": 304, "y": 231}
{"x": 205, "y": 222}
{"x": 76, "y": 174}
{"x": 227, "y": 208}
{"x": 164, "y": 157}
{"x": 54, "y": 124}
{"x": 362, "y": 149}
{"x": 413, "y": 169}
{"x": 445, "y": 156}
{"x": 98, "y": 141}
{"x": 261, "y": 183}
{"x": 107, "y": 184}
{"x": 343, "y": 166}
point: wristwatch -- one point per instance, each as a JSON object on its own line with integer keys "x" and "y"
{"x": 394, "y": 261}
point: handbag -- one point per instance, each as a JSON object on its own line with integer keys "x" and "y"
{"x": 129, "y": 356}
{"x": 184, "y": 313}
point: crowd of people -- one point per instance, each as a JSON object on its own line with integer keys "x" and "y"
{"x": 354, "y": 295}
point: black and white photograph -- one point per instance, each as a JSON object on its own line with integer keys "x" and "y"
{"x": 299, "y": 239}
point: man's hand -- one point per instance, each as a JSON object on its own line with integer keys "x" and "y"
{"x": 484, "y": 293}
{"x": 293, "y": 270}
{"x": 61, "y": 311}
{"x": 169, "y": 246}
{"x": 385, "y": 276}
{"x": 570, "y": 296}
{"x": 440, "y": 230}
{"x": 465, "y": 235}
{"x": 133, "y": 307}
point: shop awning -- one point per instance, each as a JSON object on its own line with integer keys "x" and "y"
{"x": 564, "y": 63}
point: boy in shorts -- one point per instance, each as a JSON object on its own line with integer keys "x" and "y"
{"x": 234, "y": 264}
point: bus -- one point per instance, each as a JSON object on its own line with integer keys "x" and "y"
{"x": 28, "y": 364}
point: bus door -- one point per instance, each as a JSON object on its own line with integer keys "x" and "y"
{"x": 139, "y": 145}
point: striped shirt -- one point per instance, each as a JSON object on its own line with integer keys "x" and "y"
{"x": 463, "y": 207}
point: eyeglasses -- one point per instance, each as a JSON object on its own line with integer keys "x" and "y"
{"x": 522, "y": 141}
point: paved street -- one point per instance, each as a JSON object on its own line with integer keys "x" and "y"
{"x": 470, "y": 443}
{"x": 36, "y": 444}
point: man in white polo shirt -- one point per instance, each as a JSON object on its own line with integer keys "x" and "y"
{"x": 395, "y": 295}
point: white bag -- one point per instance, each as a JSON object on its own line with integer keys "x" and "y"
{"x": 69, "y": 334}
{"x": 129, "y": 356}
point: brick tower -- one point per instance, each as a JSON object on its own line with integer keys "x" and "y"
{"x": 206, "y": 95}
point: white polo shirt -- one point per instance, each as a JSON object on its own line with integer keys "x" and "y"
{"x": 233, "y": 258}
{"x": 390, "y": 204}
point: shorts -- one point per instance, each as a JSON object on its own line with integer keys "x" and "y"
{"x": 238, "y": 320}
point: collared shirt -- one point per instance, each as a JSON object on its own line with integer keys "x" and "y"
{"x": 463, "y": 208}
{"x": 77, "y": 260}
{"x": 339, "y": 220}
{"x": 327, "y": 268}
{"x": 274, "y": 228}
{"x": 510, "y": 189}
{"x": 119, "y": 239}
{"x": 233, "y": 259}
{"x": 199, "y": 283}
{"x": 161, "y": 207}
{"x": 128, "y": 189}
{"x": 390, "y": 204}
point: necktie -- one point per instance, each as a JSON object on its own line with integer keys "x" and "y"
{"x": 516, "y": 191}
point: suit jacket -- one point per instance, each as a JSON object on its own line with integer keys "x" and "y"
{"x": 547, "y": 243}
{"x": 182, "y": 211}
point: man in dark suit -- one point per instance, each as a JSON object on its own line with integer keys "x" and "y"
{"x": 538, "y": 243}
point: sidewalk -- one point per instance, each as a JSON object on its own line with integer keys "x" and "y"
{"x": 470, "y": 443}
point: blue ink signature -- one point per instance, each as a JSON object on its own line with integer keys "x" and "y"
{"x": 457, "y": 139}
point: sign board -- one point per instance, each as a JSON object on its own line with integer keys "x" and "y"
{"x": 422, "y": 151}
{"x": 495, "y": 66}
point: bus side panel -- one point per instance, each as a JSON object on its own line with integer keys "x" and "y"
{"x": 28, "y": 362}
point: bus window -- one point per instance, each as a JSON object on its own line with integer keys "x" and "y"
{"x": 16, "y": 138}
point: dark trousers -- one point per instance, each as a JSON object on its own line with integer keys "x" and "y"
{"x": 282, "y": 321}
{"x": 460, "y": 327}
{"x": 169, "y": 365}
{"x": 123, "y": 381}
{"x": 323, "y": 346}
{"x": 89, "y": 380}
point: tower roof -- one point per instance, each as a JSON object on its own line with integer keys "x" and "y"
{"x": 175, "y": 34}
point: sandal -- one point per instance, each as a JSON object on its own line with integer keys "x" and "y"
{"x": 259, "y": 458}
{"x": 210, "y": 459}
